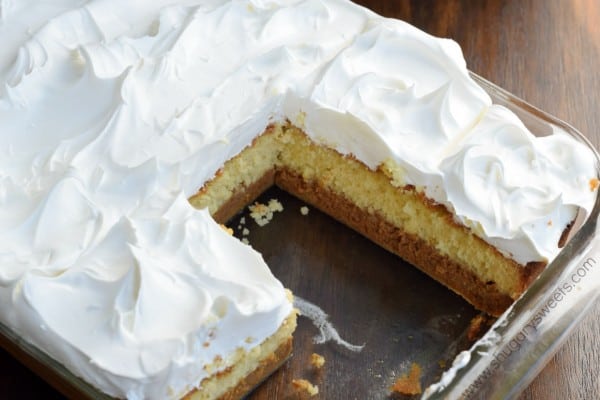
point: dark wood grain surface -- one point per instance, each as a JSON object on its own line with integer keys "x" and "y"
{"x": 546, "y": 52}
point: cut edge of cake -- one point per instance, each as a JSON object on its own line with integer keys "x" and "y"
{"x": 400, "y": 219}
{"x": 247, "y": 369}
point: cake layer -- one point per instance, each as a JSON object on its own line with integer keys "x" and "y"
{"x": 247, "y": 368}
{"x": 411, "y": 248}
{"x": 242, "y": 178}
{"x": 400, "y": 219}
{"x": 416, "y": 220}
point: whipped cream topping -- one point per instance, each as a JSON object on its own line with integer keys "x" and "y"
{"x": 516, "y": 190}
{"x": 114, "y": 113}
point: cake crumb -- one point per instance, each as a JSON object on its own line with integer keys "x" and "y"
{"x": 275, "y": 205}
{"x": 301, "y": 119}
{"x": 409, "y": 384}
{"x": 395, "y": 172}
{"x": 245, "y": 241}
{"x": 317, "y": 360}
{"x": 226, "y": 229}
{"x": 245, "y": 231}
{"x": 304, "y": 210}
{"x": 477, "y": 325}
{"x": 243, "y": 221}
{"x": 263, "y": 213}
{"x": 594, "y": 183}
{"x": 303, "y": 384}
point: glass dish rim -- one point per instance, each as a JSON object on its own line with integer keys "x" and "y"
{"x": 464, "y": 378}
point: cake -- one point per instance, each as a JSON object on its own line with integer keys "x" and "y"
{"x": 130, "y": 131}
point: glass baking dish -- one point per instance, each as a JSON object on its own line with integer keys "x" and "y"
{"x": 436, "y": 334}
{"x": 516, "y": 348}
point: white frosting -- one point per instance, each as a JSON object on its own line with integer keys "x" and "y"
{"x": 516, "y": 190}
{"x": 113, "y": 113}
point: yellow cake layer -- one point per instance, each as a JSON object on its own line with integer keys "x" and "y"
{"x": 404, "y": 208}
{"x": 241, "y": 371}
{"x": 440, "y": 241}
{"x": 240, "y": 172}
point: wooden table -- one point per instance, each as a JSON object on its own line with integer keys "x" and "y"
{"x": 546, "y": 52}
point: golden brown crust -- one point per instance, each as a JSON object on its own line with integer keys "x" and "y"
{"x": 483, "y": 295}
{"x": 266, "y": 368}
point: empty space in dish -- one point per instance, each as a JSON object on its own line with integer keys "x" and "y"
{"x": 372, "y": 298}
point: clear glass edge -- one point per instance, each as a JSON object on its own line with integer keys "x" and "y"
{"x": 54, "y": 373}
{"x": 507, "y": 378}
{"x": 521, "y": 342}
